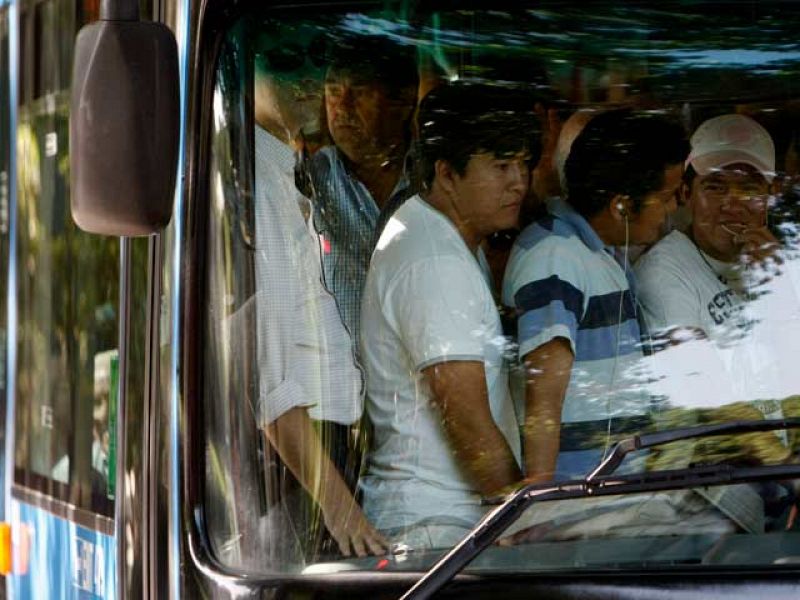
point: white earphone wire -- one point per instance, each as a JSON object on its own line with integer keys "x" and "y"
{"x": 619, "y": 340}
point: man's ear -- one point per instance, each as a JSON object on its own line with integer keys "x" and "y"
{"x": 685, "y": 195}
{"x": 444, "y": 175}
{"x": 619, "y": 207}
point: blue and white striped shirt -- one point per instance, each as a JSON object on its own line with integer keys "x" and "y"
{"x": 349, "y": 222}
{"x": 563, "y": 282}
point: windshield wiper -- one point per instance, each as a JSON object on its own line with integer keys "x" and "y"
{"x": 600, "y": 483}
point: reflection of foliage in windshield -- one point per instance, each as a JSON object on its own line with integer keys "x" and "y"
{"x": 68, "y": 294}
{"x": 766, "y": 448}
{"x": 696, "y": 52}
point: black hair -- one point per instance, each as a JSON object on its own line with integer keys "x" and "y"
{"x": 376, "y": 59}
{"x": 689, "y": 175}
{"x": 457, "y": 121}
{"x": 622, "y": 152}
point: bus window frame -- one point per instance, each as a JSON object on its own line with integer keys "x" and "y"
{"x": 215, "y": 18}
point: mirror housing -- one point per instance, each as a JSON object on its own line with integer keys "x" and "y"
{"x": 124, "y": 124}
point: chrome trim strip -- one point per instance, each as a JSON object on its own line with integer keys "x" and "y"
{"x": 125, "y": 250}
{"x": 175, "y": 497}
{"x": 11, "y": 300}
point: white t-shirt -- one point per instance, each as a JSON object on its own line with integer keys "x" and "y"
{"x": 753, "y": 329}
{"x": 427, "y": 300}
{"x": 304, "y": 352}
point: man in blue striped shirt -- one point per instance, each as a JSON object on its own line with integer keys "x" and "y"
{"x": 578, "y": 334}
{"x": 358, "y": 183}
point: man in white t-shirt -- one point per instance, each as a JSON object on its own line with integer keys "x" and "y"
{"x": 445, "y": 432}
{"x": 722, "y": 297}
{"x": 724, "y": 288}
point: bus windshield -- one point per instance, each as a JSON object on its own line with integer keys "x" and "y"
{"x": 450, "y": 253}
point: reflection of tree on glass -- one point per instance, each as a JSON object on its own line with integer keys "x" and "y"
{"x": 68, "y": 283}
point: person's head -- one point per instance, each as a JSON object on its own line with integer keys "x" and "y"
{"x": 288, "y": 73}
{"x": 477, "y": 146}
{"x": 370, "y": 95}
{"x": 728, "y": 178}
{"x": 624, "y": 171}
{"x": 566, "y": 137}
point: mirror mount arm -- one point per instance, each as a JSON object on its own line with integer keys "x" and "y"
{"x": 119, "y": 10}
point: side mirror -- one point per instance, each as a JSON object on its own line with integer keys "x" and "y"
{"x": 124, "y": 123}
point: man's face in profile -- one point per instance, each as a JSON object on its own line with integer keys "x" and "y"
{"x": 364, "y": 116}
{"x": 646, "y": 227}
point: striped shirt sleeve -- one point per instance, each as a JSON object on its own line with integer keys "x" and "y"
{"x": 547, "y": 287}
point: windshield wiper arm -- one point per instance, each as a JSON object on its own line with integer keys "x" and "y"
{"x": 659, "y": 438}
{"x": 597, "y": 483}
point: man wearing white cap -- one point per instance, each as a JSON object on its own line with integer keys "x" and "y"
{"x": 697, "y": 280}
{"x": 721, "y": 296}
{"x": 726, "y": 280}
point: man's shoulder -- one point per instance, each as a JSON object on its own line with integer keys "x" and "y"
{"x": 417, "y": 239}
{"x": 326, "y": 168}
{"x": 417, "y": 230}
{"x": 272, "y": 153}
{"x": 549, "y": 245}
{"x": 324, "y": 156}
{"x": 675, "y": 252}
{"x": 549, "y": 231}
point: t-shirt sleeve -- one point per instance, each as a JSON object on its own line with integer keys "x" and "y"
{"x": 546, "y": 288}
{"x": 666, "y": 297}
{"x": 438, "y": 307}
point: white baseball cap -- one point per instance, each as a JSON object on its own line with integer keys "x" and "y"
{"x": 732, "y": 139}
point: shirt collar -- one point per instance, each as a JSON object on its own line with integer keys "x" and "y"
{"x": 402, "y": 185}
{"x": 561, "y": 209}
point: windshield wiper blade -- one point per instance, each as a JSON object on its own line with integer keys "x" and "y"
{"x": 599, "y": 483}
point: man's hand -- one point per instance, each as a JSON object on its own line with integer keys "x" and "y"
{"x": 351, "y": 530}
{"x": 760, "y": 252}
{"x": 758, "y": 245}
{"x": 294, "y": 437}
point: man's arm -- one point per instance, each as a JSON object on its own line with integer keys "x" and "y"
{"x": 548, "y": 370}
{"x": 294, "y": 438}
{"x": 459, "y": 393}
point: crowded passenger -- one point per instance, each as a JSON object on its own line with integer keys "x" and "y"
{"x": 309, "y": 388}
{"x": 578, "y": 335}
{"x": 445, "y": 432}
{"x": 360, "y": 180}
{"x": 725, "y": 285}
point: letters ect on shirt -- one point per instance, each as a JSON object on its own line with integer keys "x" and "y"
{"x": 563, "y": 282}
{"x": 305, "y": 355}
{"x": 427, "y": 300}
